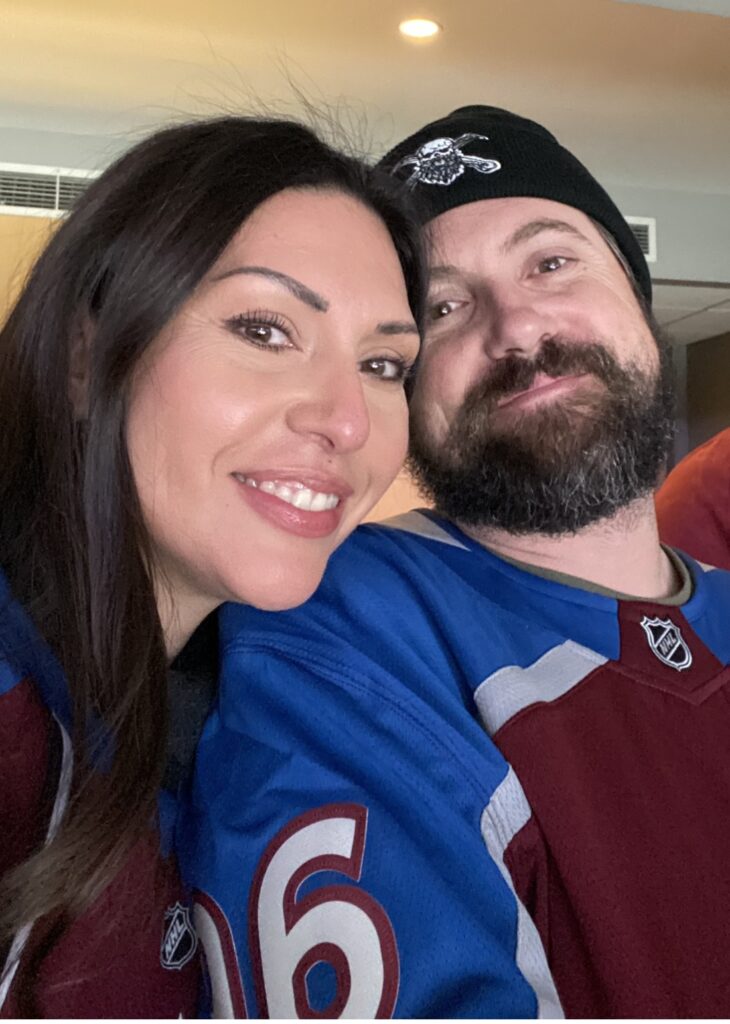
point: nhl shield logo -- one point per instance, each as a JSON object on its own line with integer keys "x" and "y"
{"x": 179, "y": 942}
{"x": 666, "y": 642}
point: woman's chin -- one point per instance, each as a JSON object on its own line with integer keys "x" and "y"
{"x": 278, "y": 598}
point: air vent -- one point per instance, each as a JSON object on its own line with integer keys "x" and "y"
{"x": 644, "y": 229}
{"x": 40, "y": 191}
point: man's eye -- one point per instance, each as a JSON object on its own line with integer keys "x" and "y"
{"x": 551, "y": 263}
{"x": 439, "y": 310}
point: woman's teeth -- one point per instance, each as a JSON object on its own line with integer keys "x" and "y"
{"x": 294, "y": 493}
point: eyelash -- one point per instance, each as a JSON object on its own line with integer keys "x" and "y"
{"x": 264, "y": 318}
{"x": 563, "y": 260}
{"x": 259, "y": 318}
{"x": 451, "y": 305}
{"x": 403, "y": 368}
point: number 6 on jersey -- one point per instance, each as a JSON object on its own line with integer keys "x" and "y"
{"x": 336, "y": 925}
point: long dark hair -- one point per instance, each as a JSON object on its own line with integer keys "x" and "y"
{"x": 72, "y": 540}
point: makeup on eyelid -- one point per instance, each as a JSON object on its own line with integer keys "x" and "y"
{"x": 246, "y": 325}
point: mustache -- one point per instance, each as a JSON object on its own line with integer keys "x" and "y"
{"x": 557, "y": 357}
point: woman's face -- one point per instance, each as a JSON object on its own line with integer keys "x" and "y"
{"x": 269, "y": 416}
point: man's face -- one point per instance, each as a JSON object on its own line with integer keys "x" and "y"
{"x": 542, "y": 398}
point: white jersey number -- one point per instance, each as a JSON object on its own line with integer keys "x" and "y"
{"x": 339, "y": 925}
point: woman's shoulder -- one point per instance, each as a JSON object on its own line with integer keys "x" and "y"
{"x": 29, "y": 743}
{"x": 25, "y": 657}
{"x": 140, "y": 928}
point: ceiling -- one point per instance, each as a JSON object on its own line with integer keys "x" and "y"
{"x": 641, "y": 91}
{"x": 644, "y": 90}
{"x": 691, "y": 312}
{"x": 721, "y": 7}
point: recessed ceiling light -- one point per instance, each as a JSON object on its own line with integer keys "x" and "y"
{"x": 419, "y": 28}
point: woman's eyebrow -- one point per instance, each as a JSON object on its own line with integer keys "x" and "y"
{"x": 397, "y": 327}
{"x": 299, "y": 290}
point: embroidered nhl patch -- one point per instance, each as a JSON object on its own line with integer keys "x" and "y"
{"x": 666, "y": 642}
{"x": 179, "y": 941}
{"x": 441, "y": 161}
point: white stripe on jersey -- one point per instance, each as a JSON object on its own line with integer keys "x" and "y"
{"x": 503, "y": 817}
{"x": 512, "y": 688}
{"x": 421, "y": 526}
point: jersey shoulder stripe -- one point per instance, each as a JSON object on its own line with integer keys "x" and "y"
{"x": 512, "y": 688}
{"x": 420, "y": 524}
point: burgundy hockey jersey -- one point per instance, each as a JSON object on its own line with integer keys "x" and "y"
{"x": 134, "y": 952}
{"x": 517, "y": 742}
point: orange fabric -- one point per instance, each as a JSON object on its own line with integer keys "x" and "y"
{"x": 693, "y": 503}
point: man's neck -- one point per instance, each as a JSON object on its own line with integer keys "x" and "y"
{"x": 621, "y": 554}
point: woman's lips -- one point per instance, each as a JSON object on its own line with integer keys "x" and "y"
{"x": 306, "y": 505}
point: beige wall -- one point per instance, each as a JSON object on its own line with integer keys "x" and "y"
{"x": 21, "y": 239}
{"x": 708, "y": 388}
{"x": 400, "y": 497}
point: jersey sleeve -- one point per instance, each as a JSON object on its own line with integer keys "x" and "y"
{"x": 347, "y": 844}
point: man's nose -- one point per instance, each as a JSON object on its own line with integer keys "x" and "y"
{"x": 518, "y": 325}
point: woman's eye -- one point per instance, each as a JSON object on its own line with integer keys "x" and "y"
{"x": 264, "y": 331}
{"x": 386, "y": 368}
{"x": 551, "y": 264}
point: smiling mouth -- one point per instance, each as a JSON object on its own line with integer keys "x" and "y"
{"x": 542, "y": 387}
{"x": 294, "y": 493}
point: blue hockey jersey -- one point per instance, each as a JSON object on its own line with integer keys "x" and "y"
{"x": 335, "y": 875}
{"x": 436, "y": 743}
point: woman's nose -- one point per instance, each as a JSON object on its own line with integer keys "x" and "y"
{"x": 334, "y": 410}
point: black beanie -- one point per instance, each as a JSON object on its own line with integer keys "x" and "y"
{"x": 487, "y": 153}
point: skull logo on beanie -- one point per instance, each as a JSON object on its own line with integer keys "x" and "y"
{"x": 530, "y": 161}
{"x": 441, "y": 161}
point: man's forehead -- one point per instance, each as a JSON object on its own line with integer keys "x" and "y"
{"x": 505, "y": 222}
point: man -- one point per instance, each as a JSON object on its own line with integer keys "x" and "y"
{"x": 484, "y": 771}
{"x": 693, "y": 503}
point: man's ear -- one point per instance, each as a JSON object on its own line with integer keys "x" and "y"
{"x": 80, "y": 367}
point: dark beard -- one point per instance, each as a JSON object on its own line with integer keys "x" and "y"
{"x": 557, "y": 468}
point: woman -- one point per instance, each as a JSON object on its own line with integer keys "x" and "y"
{"x": 201, "y": 394}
